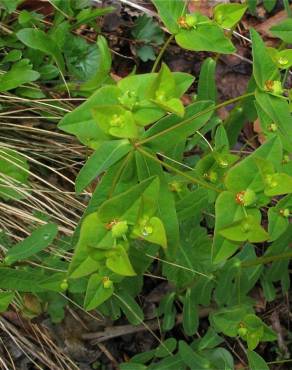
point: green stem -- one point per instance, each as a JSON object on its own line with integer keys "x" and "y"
{"x": 287, "y": 8}
{"x": 267, "y": 259}
{"x": 155, "y": 65}
{"x": 119, "y": 173}
{"x": 197, "y": 115}
{"x": 181, "y": 173}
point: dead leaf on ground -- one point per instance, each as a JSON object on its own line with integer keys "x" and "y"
{"x": 264, "y": 28}
{"x": 204, "y": 6}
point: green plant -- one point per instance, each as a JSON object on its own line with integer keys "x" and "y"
{"x": 201, "y": 218}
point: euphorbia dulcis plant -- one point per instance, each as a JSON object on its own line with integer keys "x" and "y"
{"x": 153, "y": 202}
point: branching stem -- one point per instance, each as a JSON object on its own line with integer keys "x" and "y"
{"x": 197, "y": 115}
{"x": 181, "y": 173}
{"x": 267, "y": 259}
{"x": 155, "y": 65}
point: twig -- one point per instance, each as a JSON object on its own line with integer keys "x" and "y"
{"x": 103, "y": 348}
{"x": 278, "y": 329}
{"x": 118, "y": 331}
{"x": 139, "y": 7}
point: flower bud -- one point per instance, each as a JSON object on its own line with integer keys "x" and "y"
{"x": 191, "y": 20}
{"x": 246, "y": 198}
{"x": 285, "y": 212}
{"x": 219, "y": 17}
{"x": 282, "y": 61}
{"x": 272, "y": 127}
{"x": 245, "y": 227}
{"x": 242, "y": 331}
{"x": 274, "y": 87}
{"x": 175, "y": 187}
{"x": 107, "y": 283}
{"x": 213, "y": 176}
{"x": 64, "y": 285}
{"x": 119, "y": 229}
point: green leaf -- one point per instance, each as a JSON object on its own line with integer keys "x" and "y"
{"x": 194, "y": 255}
{"x": 165, "y": 201}
{"x": 145, "y": 29}
{"x": 221, "y": 139}
{"x": 5, "y": 300}
{"x": 192, "y": 204}
{"x": 89, "y": 14}
{"x": 282, "y": 58}
{"x": 130, "y": 308}
{"x": 146, "y": 53}
{"x": 228, "y": 15}
{"x": 103, "y": 67}
{"x": 116, "y": 207}
{"x": 227, "y": 320}
{"x": 256, "y": 329}
{"x": 192, "y": 359}
{"x": 165, "y": 348}
{"x": 39, "y": 239}
{"x": 96, "y": 292}
{"x": 173, "y": 129}
{"x": 163, "y": 85}
{"x": 190, "y": 313}
{"x": 252, "y": 6}
{"x": 139, "y": 87}
{"x": 29, "y": 92}
{"x": 269, "y": 4}
{"x": 119, "y": 262}
{"x": 227, "y": 211}
{"x": 12, "y": 56}
{"x": 19, "y": 74}
{"x": 170, "y": 12}
{"x": 256, "y": 362}
{"x": 278, "y": 220}
{"x": 162, "y": 92}
{"x": 246, "y": 229}
{"x": 10, "y": 5}
{"x": 14, "y": 173}
{"x": 277, "y": 223}
{"x": 278, "y": 184}
{"x": 222, "y": 359}
{"x": 132, "y": 366}
{"x": 230, "y": 270}
{"x": 143, "y": 357}
{"x": 48, "y": 72}
{"x": 210, "y": 340}
{"x": 242, "y": 112}
{"x": 169, "y": 363}
{"x": 38, "y": 39}
{"x": 55, "y": 306}
{"x": 82, "y": 58}
{"x": 167, "y": 308}
{"x": 283, "y": 30}
{"x": 245, "y": 174}
{"x": 91, "y": 232}
{"x": 264, "y": 68}
{"x": 152, "y": 230}
{"x": 104, "y": 157}
{"x": 80, "y": 120}
{"x": 115, "y": 121}
{"x": 172, "y": 105}
{"x": 249, "y": 275}
{"x": 278, "y": 111}
{"x": 206, "y": 36}
{"x": 207, "y": 87}
{"x": 30, "y": 281}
